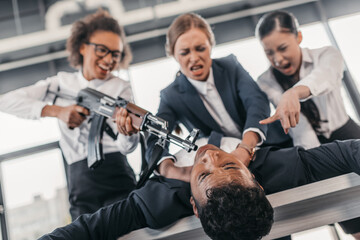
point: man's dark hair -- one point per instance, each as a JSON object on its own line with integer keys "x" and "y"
{"x": 236, "y": 212}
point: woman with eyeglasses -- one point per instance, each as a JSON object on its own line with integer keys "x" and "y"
{"x": 97, "y": 47}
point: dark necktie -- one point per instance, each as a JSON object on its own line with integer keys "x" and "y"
{"x": 215, "y": 138}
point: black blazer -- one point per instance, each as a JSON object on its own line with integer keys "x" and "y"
{"x": 162, "y": 201}
{"x": 244, "y": 101}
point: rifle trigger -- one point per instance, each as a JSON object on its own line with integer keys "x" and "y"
{"x": 110, "y": 132}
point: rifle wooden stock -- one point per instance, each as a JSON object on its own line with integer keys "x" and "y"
{"x": 137, "y": 115}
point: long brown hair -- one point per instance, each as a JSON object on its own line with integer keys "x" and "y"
{"x": 184, "y": 23}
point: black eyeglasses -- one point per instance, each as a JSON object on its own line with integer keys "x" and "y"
{"x": 101, "y": 51}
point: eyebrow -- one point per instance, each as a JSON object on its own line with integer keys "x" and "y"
{"x": 197, "y": 45}
{"x": 202, "y": 176}
{"x": 282, "y": 45}
{"x": 229, "y": 163}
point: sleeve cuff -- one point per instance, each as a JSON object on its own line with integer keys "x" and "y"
{"x": 37, "y": 109}
{"x": 161, "y": 160}
{"x": 127, "y": 144}
{"x": 258, "y": 131}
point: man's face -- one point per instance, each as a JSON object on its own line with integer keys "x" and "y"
{"x": 283, "y": 51}
{"x": 95, "y": 67}
{"x": 214, "y": 167}
{"x": 192, "y": 51}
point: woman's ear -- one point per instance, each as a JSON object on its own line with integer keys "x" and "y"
{"x": 175, "y": 57}
{"x": 192, "y": 201}
{"x": 82, "y": 49}
{"x": 299, "y": 37}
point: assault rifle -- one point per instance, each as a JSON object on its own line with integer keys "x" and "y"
{"x": 102, "y": 106}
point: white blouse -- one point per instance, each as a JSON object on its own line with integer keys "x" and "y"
{"x": 28, "y": 103}
{"x": 322, "y": 72}
{"x": 215, "y": 106}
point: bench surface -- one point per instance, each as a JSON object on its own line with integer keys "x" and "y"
{"x": 298, "y": 209}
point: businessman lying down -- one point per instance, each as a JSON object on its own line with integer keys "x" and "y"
{"x": 226, "y": 194}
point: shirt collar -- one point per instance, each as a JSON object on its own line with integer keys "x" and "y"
{"x": 94, "y": 83}
{"x": 306, "y": 57}
{"x": 305, "y": 61}
{"x": 202, "y": 86}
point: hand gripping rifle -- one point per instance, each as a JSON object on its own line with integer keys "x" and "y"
{"x": 102, "y": 106}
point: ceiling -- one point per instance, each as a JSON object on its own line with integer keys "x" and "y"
{"x": 33, "y": 32}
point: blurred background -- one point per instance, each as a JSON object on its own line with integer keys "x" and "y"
{"x": 33, "y": 192}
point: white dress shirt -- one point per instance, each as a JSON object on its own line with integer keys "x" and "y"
{"x": 28, "y": 103}
{"x": 215, "y": 106}
{"x": 321, "y": 71}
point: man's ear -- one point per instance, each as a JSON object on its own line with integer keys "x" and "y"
{"x": 299, "y": 37}
{"x": 192, "y": 201}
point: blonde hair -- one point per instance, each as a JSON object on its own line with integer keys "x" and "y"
{"x": 184, "y": 23}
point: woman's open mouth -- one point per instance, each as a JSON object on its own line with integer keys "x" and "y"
{"x": 105, "y": 69}
{"x": 286, "y": 69}
{"x": 197, "y": 69}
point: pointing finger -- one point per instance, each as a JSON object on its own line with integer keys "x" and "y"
{"x": 268, "y": 120}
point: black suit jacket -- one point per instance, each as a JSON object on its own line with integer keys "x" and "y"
{"x": 244, "y": 101}
{"x": 162, "y": 201}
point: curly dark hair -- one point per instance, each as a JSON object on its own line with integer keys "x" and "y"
{"x": 236, "y": 212}
{"x": 83, "y": 29}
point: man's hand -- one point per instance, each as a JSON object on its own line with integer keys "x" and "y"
{"x": 72, "y": 115}
{"x": 124, "y": 122}
{"x": 168, "y": 169}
